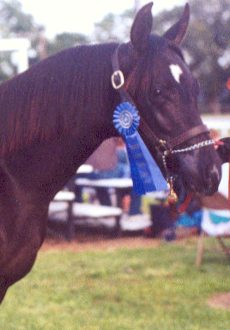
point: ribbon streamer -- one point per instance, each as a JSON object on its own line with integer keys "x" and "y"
{"x": 146, "y": 174}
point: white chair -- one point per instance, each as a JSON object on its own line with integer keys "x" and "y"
{"x": 216, "y": 222}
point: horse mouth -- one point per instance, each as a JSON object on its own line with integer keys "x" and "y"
{"x": 204, "y": 190}
{"x": 184, "y": 186}
{"x": 197, "y": 175}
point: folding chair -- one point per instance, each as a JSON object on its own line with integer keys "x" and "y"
{"x": 214, "y": 223}
{"x": 216, "y": 217}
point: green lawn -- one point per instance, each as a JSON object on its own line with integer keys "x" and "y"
{"x": 157, "y": 288}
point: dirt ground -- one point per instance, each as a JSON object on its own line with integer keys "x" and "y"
{"x": 97, "y": 241}
{"x": 100, "y": 238}
{"x": 220, "y": 301}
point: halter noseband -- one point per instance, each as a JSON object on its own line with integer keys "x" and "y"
{"x": 165, "y": 148}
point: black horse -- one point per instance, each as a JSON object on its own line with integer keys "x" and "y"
{"x": 58, "y": 112}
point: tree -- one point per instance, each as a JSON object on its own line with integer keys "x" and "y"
{"x": 207, "y": 47}
{"x": 114, "y": 27}
{"x": 66, "y": 40}
{"x": 15, "y": 23}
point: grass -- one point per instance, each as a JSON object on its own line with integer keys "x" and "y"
{"x": 157, "y": 288}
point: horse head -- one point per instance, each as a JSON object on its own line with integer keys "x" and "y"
{"x": 165, "y": 92}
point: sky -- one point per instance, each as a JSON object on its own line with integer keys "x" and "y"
{"x": 80, "y": 15}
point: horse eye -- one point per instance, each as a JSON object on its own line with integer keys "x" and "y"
{"x": 157, "y": 92}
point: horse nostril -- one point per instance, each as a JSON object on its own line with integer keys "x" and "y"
{"x": 212, "y": 179}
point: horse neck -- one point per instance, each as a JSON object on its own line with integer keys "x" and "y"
{"x": 95, "y": 96}
{"x": 68, "y": 93}
{"x": 86, "y": 109}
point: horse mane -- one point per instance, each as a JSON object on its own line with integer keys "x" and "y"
{"x": 51, "y": 98}
{"x": 45, "y": 101}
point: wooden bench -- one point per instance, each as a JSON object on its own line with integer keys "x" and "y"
{"x": 64, "y": 209}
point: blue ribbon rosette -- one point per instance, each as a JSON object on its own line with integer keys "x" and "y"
{"x": 146, "y": 174}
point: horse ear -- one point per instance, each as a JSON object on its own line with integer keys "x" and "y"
{"x": 142, "y": 27}
{"x": 177, "y": 32}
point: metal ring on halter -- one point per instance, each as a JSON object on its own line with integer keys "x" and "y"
{"x": 117, "y": 75}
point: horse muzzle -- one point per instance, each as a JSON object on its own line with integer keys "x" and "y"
{"x": 201, "y": 173}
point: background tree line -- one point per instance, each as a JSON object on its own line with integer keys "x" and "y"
{"x": 206, "y": 46}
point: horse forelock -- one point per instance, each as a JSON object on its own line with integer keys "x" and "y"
{"x": 142, "y": 74}
{"x": 46, "y": 101}
{"x": 147, "y": 69}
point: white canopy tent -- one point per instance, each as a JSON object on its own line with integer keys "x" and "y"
{"x": 19, "y": 46}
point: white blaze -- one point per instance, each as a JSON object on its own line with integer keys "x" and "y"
{"x": 214, "y": 170}
{"x": 176, "y": 72}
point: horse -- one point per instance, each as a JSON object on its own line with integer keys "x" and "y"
{"x": 55, "y": 114}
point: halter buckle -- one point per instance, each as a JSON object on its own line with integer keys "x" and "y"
{"x": 117, "y": 79}
{"x": 163, "y": 147}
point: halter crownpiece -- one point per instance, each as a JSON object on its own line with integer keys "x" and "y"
{"x": 165, "y": 148}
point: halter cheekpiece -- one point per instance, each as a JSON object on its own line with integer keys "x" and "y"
{"x": 164, "y": 148}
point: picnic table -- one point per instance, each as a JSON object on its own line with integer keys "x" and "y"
{"x": 63, "y": 208}
{"x": 121, "y": 186}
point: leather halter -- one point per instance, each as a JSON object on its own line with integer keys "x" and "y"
{"x": 163, "y": 146}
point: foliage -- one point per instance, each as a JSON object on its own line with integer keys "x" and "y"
{"x": 66, "y": 40}
{"x": 154, "y": 288}
{"x": 15, "y": 23}
{"x": 207, "y": 45}
{"x": 114, "y": 27}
